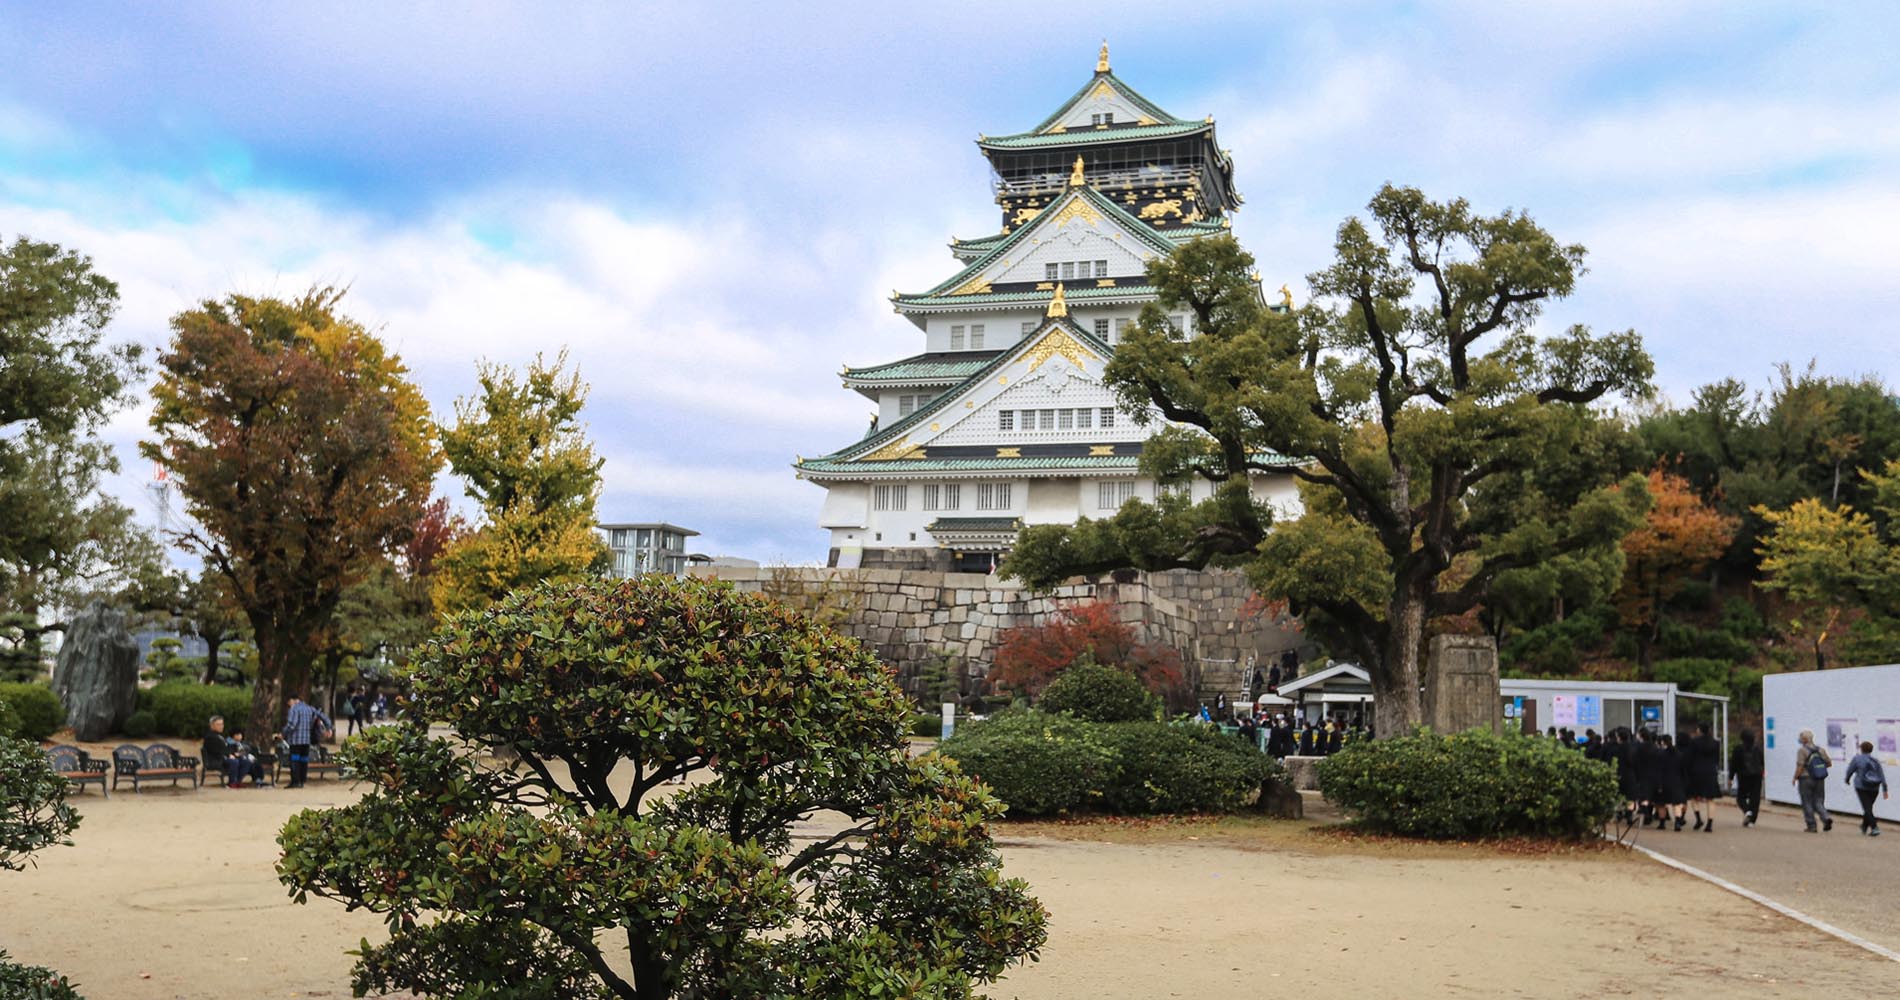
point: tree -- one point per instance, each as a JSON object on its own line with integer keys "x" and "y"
{"x": 1829, "y": 560}
{"x": 1030, "y": 657}
{"x": 1400, "y": 399}
{"x": 33, "y": 815}
{"x": 210, "y": 612}
{"x": 520, "y": 447}
{"x": 303, "y": 454}
{"x": 574, "y": 874}
{"x": 63, "y": 541}
{"x": 1679, "y": 537}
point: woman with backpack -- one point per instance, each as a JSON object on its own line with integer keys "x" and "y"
{"x": 1810, "y": 779}
{"x": 1746, "y": 763}
{"x": 1865, "y": 776}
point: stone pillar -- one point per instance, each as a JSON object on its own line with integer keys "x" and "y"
{"x": 1461, "y": 683}
{"x": 97, "y": 672}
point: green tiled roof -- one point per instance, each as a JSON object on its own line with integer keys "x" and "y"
{"x": 972, "y": 524}
{"x": 927, "y": 367}
{"x": 1092, "y": 136}
{"x": 829, "y": 465}
{"x": 1142, "y": 231}
{"x": 919, "y": 417}
{"x": 1142, "y": 104}
{"x": 1073, "y": 295}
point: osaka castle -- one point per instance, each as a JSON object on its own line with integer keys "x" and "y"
{"x": 1001, "y": 419}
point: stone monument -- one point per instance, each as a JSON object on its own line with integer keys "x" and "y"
{"x": 97, "y": 672}
{"x": 1461, "y": 685}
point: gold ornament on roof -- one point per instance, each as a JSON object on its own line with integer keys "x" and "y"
{"x": 1075, "y": 175}
{"x": 1077, "y": 208}
{"x": 975, "y": 286}
{"x": 1058, "y": 306}
{"x": 900, "y": 448}
{"x": 1057, "y": 343}
{"x": 1286, "y": 296}
{"x": 1101, "y": 61}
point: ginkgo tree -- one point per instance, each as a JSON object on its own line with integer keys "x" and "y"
{"x": 1832, "y": 560}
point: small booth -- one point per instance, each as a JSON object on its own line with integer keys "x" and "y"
{"x": 1533, "y": 706}
{"x": 1341, "y": 691}
{"x": 1843, "y": 708}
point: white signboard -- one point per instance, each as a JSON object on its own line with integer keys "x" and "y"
{"x": 949, "y": 719}
{"x": 1563, "y": 711}
{"x": 1842, "y": 708}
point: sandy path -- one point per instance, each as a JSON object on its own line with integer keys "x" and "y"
{"x": 170, "y": 895}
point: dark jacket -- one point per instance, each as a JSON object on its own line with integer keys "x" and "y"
{"x": 215, "y": 750}
{"x": 1867, "y": 770}
{"x": 1747, "y": 761}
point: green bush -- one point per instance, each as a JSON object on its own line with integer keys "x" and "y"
{"x": 140, "y": 725}
{"x": 1472, "y": 784}
{"x": 1162, "y": 768}
{"x": 926, "y": 724}
{"x": 1043, "y": 764}
{"x": 34, "y": 982}
{"x": 184, "y": 708}
{"x": 36, "y": 708}
{"x": 1093, "y": 692}
{"x": 1040, "y": 764}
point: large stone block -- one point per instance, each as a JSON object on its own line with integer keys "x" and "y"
{"x": 1461, "y": 683}
{"x": 97, "y": 672}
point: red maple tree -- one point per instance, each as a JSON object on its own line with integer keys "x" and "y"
{"x": 1031, "y": 656}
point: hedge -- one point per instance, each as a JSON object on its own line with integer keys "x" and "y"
{"x": 1044, "y": 764}
{"x": 1096, "y": 693}
{"x": 184, "y": 708}
{"x": 36, "y": 709}
{"x": 1040, "y": 764}
{"x": 1474, "y": 784}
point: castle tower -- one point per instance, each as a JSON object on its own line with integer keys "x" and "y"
{"x": 1002, "y": 420}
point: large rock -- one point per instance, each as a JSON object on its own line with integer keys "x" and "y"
{"x": 1461, "y": 683}
{"x": 97, "y": 673}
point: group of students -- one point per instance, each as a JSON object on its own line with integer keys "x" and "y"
{"x": 1663, "y": 778}
{"x": 1287, "y": 737}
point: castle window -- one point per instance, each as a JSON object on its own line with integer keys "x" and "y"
{"x": 1029, "y": 327}
{"x": 1121, "y": 330}
{"x": 906, "y": 404}
{"x": 952, "y": 496}
{"x": 976, "y": 336}
{"x": 1101, "y": 328}
{"x": 992, "y": 496}
{"x": 889, "y": 496}
{"x": 1006, "y": 420}
{"x": 1048, "y": 420}
{"x": 1084, "y": 418}
{"x": 1101, "y": 269}
{"x": 956, "y": 338}
{"x": 1108, "y": 416}
{"x": 1051, "y": 272}
{"x": 1111, "y": 496}
{"x": 930, "y": 496}
{"x": 1065, "y": 419}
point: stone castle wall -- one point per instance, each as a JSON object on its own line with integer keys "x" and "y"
{"x": 911, "y": 618}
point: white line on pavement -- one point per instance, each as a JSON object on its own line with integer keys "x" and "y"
{"x": 1781, "y": 908}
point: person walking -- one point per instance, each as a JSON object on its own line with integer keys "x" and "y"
{"x": 1810, "y": 780}
{"x": 1746, "y": 764}
{"x": 302, "y": 724}
{"x": 1671, "y": 791}
{"x": 1702, "y": 758}
{"x": 359, "y": 711}
{"x": 1866, "y": 777}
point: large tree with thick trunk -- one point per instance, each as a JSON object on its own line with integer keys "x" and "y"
{"x": 1408, "y": 400}
{"x": 304, "y": 457}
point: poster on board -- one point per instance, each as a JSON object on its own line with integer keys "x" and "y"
{"x": 1841, "y": 734}
{"x": 1563, "y": 711}
{"x": 1888, "y": 739}
{"x": 1590, "y": 711}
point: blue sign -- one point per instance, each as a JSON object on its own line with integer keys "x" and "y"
{"x": 1589, "y": 710}
{"x": 1771, "y": 741}
{"x": 1652, "y": 713}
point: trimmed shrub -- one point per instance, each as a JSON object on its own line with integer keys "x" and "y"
{"x": 1093, "y": 692}
{"x": 1162, "y": 768}
{"x": 1473, "y": 784}
{"x": 926, "y": 724}
{"x": 1040, "y": 764}
{"x": 36, "y": 710}
{"x": 34, "y": 981}
{"x": 1043, "y": 764}
{"x": 140, "y": 725}
{"x": 184, "y": 708}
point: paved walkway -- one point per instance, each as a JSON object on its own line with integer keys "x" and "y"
{"x": 1843, "y": 878}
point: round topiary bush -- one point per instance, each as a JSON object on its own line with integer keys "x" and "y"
{"x": 1162, "y": 768}
{"x": 140, "y": 725}
{"x": 36, "y": 709}
{"x": 1041, "y": 764}
{"x": 1093, "y": 692}
{"x": 185, "y": 708}
{"x": 1468, "y": 785}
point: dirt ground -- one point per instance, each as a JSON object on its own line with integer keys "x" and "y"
{"x": 170, "y": 894}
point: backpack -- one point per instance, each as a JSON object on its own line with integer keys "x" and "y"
{"x": 1817, "y": 765}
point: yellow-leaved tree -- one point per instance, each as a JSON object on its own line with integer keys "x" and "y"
{"x": 521, "y": 449}
{"x": 1828, "y": 560}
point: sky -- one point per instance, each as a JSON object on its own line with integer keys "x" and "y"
{"x": 707, "y": 205}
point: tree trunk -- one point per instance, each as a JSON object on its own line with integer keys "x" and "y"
{"x": 1396, "y": 706}
{"x": 211, "y": 658}
{"x": 283, "y": 667}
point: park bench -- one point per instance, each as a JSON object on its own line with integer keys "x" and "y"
{"x": 78, "y": 767}
{"x": 153, "y": 763}
{"x": 321, "y": 763}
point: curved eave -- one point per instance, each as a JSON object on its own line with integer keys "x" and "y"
{"x": 997, "y": 301}
{"x": 1093, "y": 136}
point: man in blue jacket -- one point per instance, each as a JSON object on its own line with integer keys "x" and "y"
{"x": 302, "y": 724}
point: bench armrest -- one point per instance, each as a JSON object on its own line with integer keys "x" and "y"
{"x": 183, "y": 761}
